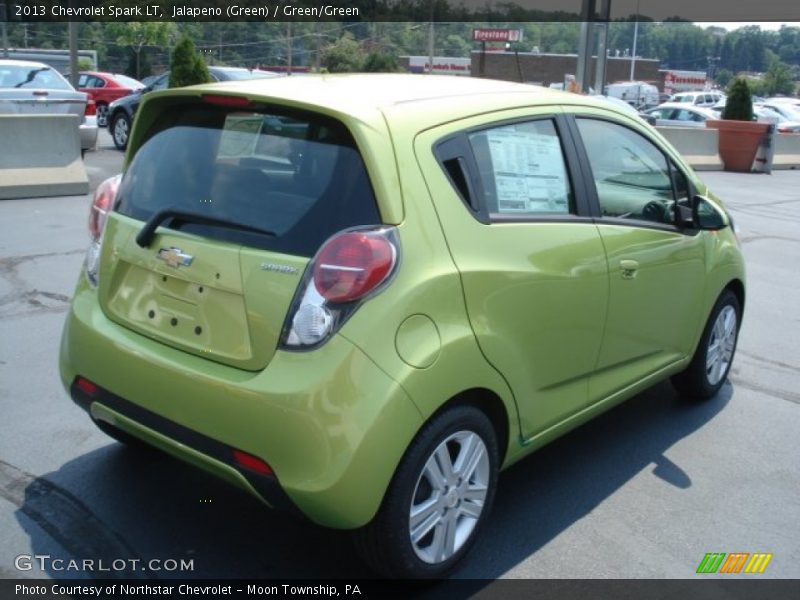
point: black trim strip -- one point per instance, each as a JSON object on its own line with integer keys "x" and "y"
{"x": 266, "y": 486}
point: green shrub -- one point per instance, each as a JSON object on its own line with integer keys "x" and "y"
{"x": 739, "y": 105}
{"x": 187, "y": 66}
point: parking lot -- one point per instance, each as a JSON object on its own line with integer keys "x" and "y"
{"x": 644, "y": 491}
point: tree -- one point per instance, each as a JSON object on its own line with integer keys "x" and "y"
{"x": 343, "y": 56}
{"x": 739, "y": 105}
{"x": 723, "y": 78}
{"x": 187, "y": 66}
{"x": 138, "y": 35}
{"x": 380, "y": 62}
{"x": 778, "y": 78}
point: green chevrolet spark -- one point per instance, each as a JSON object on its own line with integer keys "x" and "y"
{"x": 360, "y": 297}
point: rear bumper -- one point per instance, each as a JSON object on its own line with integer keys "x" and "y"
{"x": 330, "y": 423}
{"x": 88, "y": 133}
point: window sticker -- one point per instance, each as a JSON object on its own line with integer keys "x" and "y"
{"x": 529, "y": 172}
{"x": 240, "y": 135}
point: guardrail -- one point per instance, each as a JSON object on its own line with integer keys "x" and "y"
{"x": 698, "y": 145}
{"x": 41, "y": 156}
{"x": 787, "y": 151}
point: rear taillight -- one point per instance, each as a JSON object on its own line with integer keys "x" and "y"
{"x": 785, "y": 130}
{"x": 91, "y": 108}
{"x": 103, "y": 201}
{"x": 349, "y": 267}
{"x": 104, "y": 197}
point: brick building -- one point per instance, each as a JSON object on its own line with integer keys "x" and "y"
{"x": 545, "y": 69}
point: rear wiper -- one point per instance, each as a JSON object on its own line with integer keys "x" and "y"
{"x": 31, "y": 75}
{"x": 179, "y": 217}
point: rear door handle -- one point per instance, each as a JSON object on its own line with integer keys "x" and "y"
{"x": 629, "y": 268}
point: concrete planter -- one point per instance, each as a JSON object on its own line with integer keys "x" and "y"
{"x": 738, "y": 142}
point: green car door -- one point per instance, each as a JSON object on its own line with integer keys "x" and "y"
{"x": 531, "y": 261}
{"x": 656, "y": 269}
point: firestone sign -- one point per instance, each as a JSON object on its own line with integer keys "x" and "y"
{"x": 497, "y": 35}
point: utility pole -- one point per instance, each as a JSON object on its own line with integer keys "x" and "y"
{"x": 430, "y": 38}
{"x": 635, "y": 40}
{"x": 3, "y": 18}
{"x": 288, "y": 48}
{"x": 73, "y": 54}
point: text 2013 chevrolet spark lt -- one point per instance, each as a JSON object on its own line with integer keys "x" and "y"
{"x": 360, "y": 297}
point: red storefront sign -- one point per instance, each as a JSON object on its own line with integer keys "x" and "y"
{"x": 497, "y": 35}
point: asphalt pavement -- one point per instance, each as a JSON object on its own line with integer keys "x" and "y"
{"x": 645, "y": 491}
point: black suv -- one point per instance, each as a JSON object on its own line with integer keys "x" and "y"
{"x": 121, "y": 112}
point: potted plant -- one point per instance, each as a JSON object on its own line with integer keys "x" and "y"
{"x": 739, "y": 135}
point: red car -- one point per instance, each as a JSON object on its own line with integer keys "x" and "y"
{"x": 104, "y": 88}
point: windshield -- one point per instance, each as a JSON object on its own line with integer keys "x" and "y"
{"x": 296, "y": 175}
{"x": 24, "y": 76}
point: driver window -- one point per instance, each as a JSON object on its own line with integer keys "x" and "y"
{"x": 630, "y": 173}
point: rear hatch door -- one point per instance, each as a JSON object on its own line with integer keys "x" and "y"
{"x": 253, "y": 193}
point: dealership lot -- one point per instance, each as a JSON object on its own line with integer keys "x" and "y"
{"x": 644, "y": 491}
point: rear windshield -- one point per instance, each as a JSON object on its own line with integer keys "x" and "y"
{"x": 18, "y": 76}
{"x": 296, "y": 175}
{"x": 128, "y": 82}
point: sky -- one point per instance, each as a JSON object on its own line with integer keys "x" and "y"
{"x": 767, "y": 26}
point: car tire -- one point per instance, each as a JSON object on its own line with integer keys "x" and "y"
{"x": 438, "y": 500}
{"x": 120, "y": 129}
{"x": 712, "y": 360}
{"x": 102, "y": 115}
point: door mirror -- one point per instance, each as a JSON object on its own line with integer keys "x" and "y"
{"x": 706, "y": 215}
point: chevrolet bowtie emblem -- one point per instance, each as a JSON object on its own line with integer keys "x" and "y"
{"x": 175, "y": 257}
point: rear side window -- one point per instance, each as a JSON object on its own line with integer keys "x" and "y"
{"x": 298, "y": 176}
{"x": 522, "y": 170}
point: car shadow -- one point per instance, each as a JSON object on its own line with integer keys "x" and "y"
{"x": 119, "y": 503}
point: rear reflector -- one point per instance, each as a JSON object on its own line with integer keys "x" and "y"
{"x": 86, "y": 386}
{"x": 232, "y": 101}
{"x": 253, "y": 463}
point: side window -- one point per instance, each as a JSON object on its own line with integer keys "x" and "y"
{"x": 522, "y": 170}
{"x": 632, "y": 176}
{"x": 82, "y": 79}
{"x": 96, "y": 82}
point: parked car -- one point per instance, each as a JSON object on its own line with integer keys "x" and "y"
{"x": 625, "y": 107}
{"x": 122, "y": 111}
{"x": 360, "y": 297}
{"x": 675, "y": 114}
{"x": 28, "y": 87}
{"x": 787, "y": 110}
{"x": 766, "y": 114}
{"x": 782, "y": 124}
{"x": 790, "y": 100}
{"x": 104, "y": 88}
{"x": 704, "y": 99}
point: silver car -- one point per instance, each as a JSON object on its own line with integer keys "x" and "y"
{"x": 675, "y": 114}
{"x": 28, "y": 87}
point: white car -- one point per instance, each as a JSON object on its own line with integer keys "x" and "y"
{"x": 675, "y": 114}
{"x": 705, "y": 99}
{"x": 28, "y": 87}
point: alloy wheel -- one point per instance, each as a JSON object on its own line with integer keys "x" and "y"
{"x": 449, "y": 497}
{"x": 721, "y": 344}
